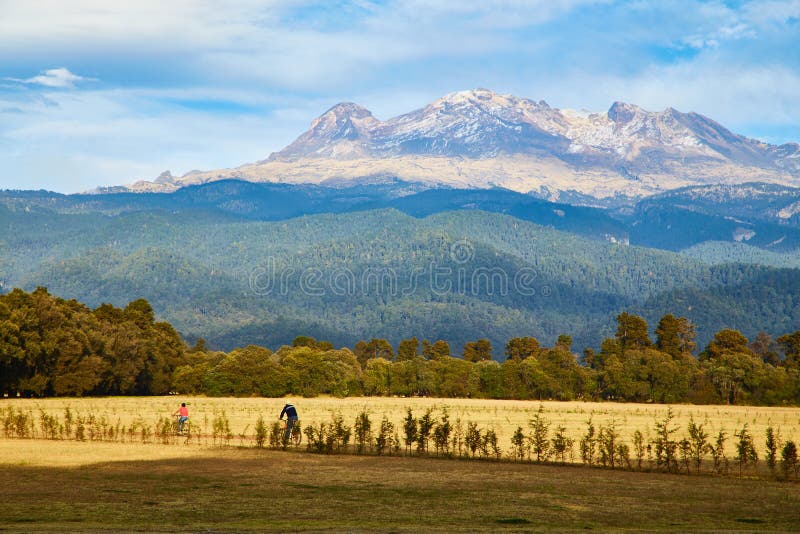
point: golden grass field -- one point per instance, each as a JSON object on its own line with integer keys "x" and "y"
{"x": 68, "y": 486}
{"x": 503, "y": 416}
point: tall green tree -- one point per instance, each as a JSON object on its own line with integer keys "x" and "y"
{"x": 519, "y": 348}
{"x": 407, "y": 349}
{"x": 765, "y": 348}
{"x": 790, "y": 345}
{"x": 436, "y": 350}
{"x": 476, "y": 351}
{"x": 374, "y": 348}
{"x": 632, "y": 331}
{"x": 675, "y": 336}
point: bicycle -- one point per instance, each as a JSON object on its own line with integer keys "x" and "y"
{"x": 182, "y": 429}
{"x": 297, "y": 435}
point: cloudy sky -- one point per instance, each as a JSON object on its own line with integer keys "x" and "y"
{"x": 98, "y": 92}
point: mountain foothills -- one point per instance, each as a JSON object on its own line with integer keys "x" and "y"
{"x": 480, "y": 139}
{"x": 237, "y": 263}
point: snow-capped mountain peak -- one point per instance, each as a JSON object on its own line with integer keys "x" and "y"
{"x": 341, "y": 132}
{"x": 479, "y": 138}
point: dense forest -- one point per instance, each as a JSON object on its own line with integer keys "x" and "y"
{"x": 52, "y": 346}
{"x": 343, "y": 277}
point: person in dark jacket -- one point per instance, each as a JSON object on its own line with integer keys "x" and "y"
{"x": 291, "y": 418}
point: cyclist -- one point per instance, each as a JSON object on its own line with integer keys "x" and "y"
{"x": 291, "y": 418}
{"x": 183, "y": 416}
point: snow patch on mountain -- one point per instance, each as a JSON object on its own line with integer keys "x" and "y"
{"x": 789, "y": 211}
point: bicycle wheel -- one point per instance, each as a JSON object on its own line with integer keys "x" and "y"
{"x": 297, "y": 435}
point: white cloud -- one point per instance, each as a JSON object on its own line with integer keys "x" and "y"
{"x": 77, "y": 140}
{"x": 60, "y": 77}
{"x": 279, "y": 63}
{"x": 766, "y": 12}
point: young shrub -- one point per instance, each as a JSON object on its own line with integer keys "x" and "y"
{"x": 91, "y": 428}
{"x": 339, "y": 435}
{"x": 49, "y": 425}
{"x": 243, "y": 435}
{"x": 7, "y": 421}
{"x": 685, "y": 450}
{"x": 396, "y": 444}
{"x": 424, "y": 431}
{"x": 80, "y": 430}
{"x": 145, "y": 433}
{"x": 718, "y": 453}
{"x": 319, "y": 439}
{"x": 666, "y": 448}
{"x": 698, "y": 444}
{"x": 472, "y": 439}
{"x": 363, "y": 431}
{"x": 383, "y": 441}
{"x": 68, "y": 422}
{"x": 330, "y": 442}
{"x": 105, "y": 429}
{"x": 639, "y": 448}
{"x": 519, "y": 445}
{"x": 26, "y": 425}
{"x": 457, "y": 440}
{"x": 540, "y": 441}
{"x": 588, "y": 444}
{"x": 441, "y": 434}
{"x": 561, "y": 444}
{"x": 165, "y": 430}
{"x": 773, "y": 444}
{"x": 608, "y": 439}
{"x": 131, "y": 429}
{"x": 624, "y": 455}
{"x": 310, "y": 433}
{"x": 221, "y": 429}
{"x": 489, "y": 445}
{"x": 745, "y": 449}
{"x": 789, "y": 463}
{"x": 409, "y": 429}
{"x": 261, "y": 432}
{"x": 276, "y": 435}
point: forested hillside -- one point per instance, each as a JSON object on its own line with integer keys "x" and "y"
{"x": 455, "y": 276}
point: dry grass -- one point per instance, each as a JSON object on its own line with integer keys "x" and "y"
{"x": 251, "y": 490}
{"x": 504, "y": 416}
{"x": 55, "y": 485}
{"x": 30, "y": 452}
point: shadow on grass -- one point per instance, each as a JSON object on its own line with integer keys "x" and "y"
{"x": 273, "y": 491}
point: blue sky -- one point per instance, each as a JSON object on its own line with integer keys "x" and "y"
{"x": 103, "y": 93}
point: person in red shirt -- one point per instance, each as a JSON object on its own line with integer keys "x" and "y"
{"x": 183, "y": 413}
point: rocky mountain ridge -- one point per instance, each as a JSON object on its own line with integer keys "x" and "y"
{"x": 482, "y": 139}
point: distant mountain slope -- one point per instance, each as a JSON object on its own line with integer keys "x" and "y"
{"x": 758, "y": 214}
{"x": 752, "y": 201}
{"x": 271, "y": 202}
{"x": 480, "y": 139}
{"x": 456, "y": 275}
{"x": 722, "y": 252}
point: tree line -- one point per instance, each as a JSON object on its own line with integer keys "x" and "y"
{"x": 51, "y": 346}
